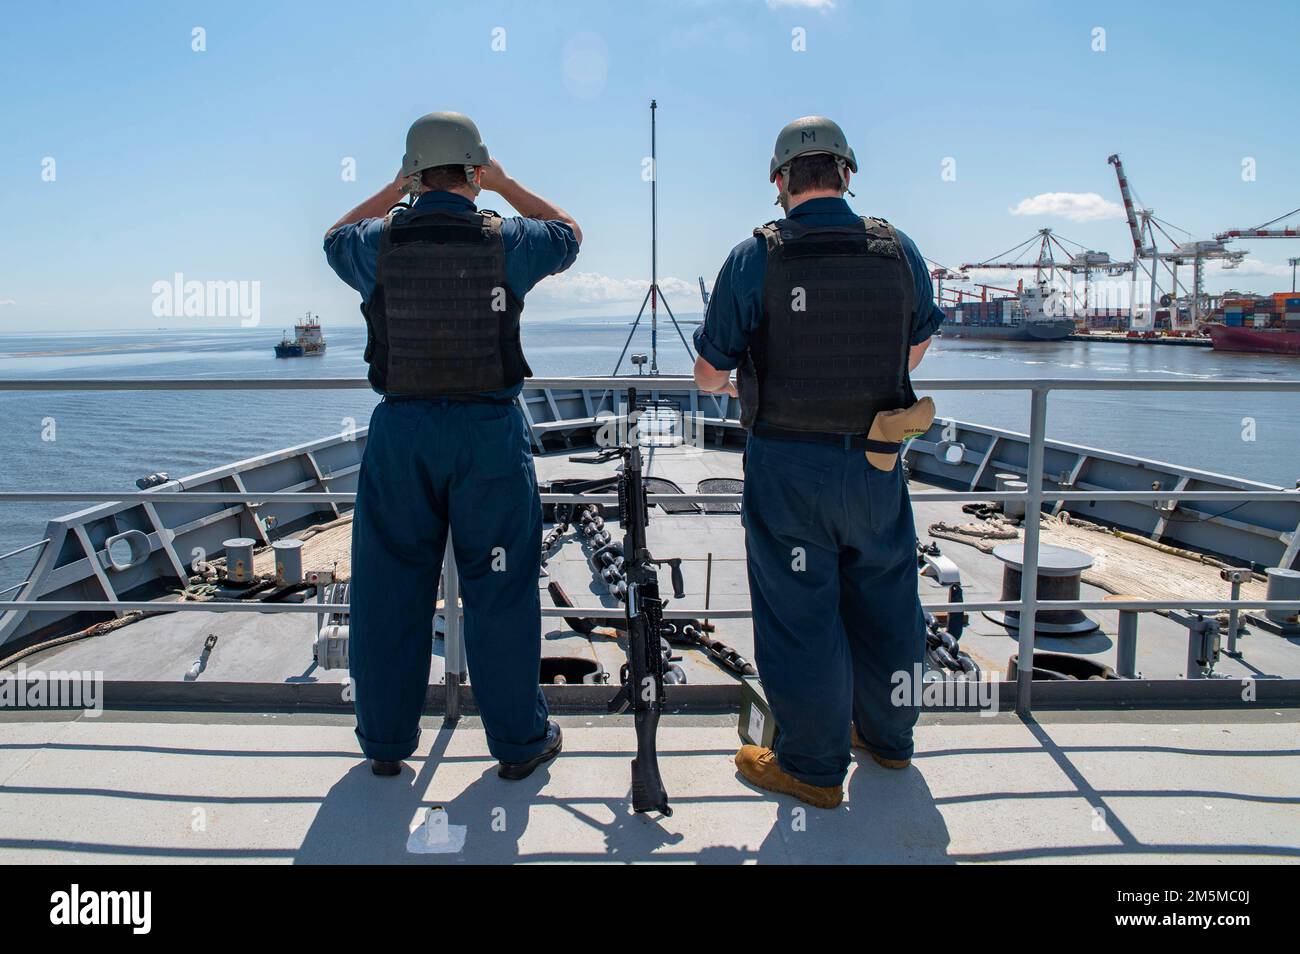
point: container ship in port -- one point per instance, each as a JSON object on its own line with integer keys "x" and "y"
{"x": 1258, "y": 325}
{"x": 307, "y": 340}
{"x": 1026, "y": 317}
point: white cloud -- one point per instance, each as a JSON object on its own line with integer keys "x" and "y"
{"x": 1075, "y": 206}
{"x": 1004, "y": 278}
{"x": 592, "y": 288}
{"x": 7, "y": 301}
{"x": 1248, "y": 267}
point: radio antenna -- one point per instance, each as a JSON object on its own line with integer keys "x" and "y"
{"x": 654, "y": 294}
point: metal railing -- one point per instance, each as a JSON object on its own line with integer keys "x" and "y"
{"x": 1029, "y": 605}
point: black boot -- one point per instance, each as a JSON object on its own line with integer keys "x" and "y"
{"x": 380, "y": 767}
{"x": 521, "y": 770}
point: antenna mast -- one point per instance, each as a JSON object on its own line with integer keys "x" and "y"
{"x": 654, "y": 245}
{"x": 654, "y": 294}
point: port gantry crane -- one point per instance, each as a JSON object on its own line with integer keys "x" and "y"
{"x": 1264, "y": 232}
{"x": 1143, "y": 226}
{"x": 1080, "y": 260}
{"x": 940, "y": 274}
{"x": 955, "y": 296}
{"x": 958, "y": 296}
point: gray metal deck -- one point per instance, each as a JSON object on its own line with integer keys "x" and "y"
{"x": 1067, "y": 788}
{"x": 276, "y": 649}
{"x": 267, "y": 784}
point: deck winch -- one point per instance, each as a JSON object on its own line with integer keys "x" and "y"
{"x": 330, "y": 647}
{"x": 1060, "y": 573}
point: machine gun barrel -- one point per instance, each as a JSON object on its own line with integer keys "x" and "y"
{"x": 643, "y": 677}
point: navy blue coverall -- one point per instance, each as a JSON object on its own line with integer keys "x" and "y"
{"x": 831, "y": 550}
{"x": 463, "y": 463}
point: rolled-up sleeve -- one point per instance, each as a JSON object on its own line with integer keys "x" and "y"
{"x": 536, "y": 249}
{"x": 735, "y": 307}
{"x": 353, "y": 252}
{"x": 928, "y": 316}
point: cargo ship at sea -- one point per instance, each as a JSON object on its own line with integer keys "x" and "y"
{"x": 1258, "y": 325}
{"x": 1025, "y": 317}
{"x": 307, "y": 342}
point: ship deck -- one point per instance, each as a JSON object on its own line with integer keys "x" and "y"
{"x": 210, "y": 784}
{"x": 275, "y": 650}
{"x": 1141, "y": 787}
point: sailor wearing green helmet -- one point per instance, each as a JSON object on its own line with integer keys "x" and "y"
{"x": 442, "y": 287}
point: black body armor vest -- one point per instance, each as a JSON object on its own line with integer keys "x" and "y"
{"x": 832, "y": 349}
{"x": 442, "y": 320}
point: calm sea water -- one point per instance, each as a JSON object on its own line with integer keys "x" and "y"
{"x": 104, "y": 441}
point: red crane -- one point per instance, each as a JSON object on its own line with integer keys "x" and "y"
{"x": 1143, "y": 225}
{"x": 1262, "y": 231}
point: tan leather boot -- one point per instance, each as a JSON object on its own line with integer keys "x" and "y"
{"x": 855, "y": 740}
{"x": 758, "y": 764}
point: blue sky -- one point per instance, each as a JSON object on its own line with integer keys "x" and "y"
{"x": 226, "y": 164}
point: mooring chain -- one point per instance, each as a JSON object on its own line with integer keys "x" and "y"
{"x": 944, "y": 651}
{"x": 553, "y": 536}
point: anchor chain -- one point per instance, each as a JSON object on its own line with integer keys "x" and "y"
{"x": 606, "y": 559}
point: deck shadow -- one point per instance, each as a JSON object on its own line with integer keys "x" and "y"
{"x": 365, "y": 820}
{"x": 888, "y": 817}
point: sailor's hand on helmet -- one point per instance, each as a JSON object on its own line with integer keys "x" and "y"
{"x": 494, "y": 177}
{"x": 730, "y": 389}
{"x": 404, "y": 184}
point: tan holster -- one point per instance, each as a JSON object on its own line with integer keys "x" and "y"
{"x": 894, "y": 427}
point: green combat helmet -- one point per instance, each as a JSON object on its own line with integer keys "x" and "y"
{"x": 444, "y": 139}
{"x": 811, "y": 135}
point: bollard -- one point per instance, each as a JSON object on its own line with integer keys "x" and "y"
{"x": 1000, "y": 481}
{"x": 1014, "y": 509}
{"x": 239, "y": 560}
{"x": 1283, "y": 585}
{"x": 288, "y": 561}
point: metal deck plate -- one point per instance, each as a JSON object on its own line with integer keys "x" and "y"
{"x": 208, "y": 788}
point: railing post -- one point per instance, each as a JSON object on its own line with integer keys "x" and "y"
{"x": 453, "y": 640}
{"x": 1029, "y": 570}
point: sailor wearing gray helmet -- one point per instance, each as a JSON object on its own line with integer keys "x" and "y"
{"x": 825, "y": 314}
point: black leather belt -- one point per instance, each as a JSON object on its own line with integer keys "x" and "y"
{"x": 468, "y": 398}
{"x": 846, "y": 441}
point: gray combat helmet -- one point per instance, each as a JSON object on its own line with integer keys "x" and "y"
{"x": 444, "y": 139}
{"x": 809, "y": 136}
